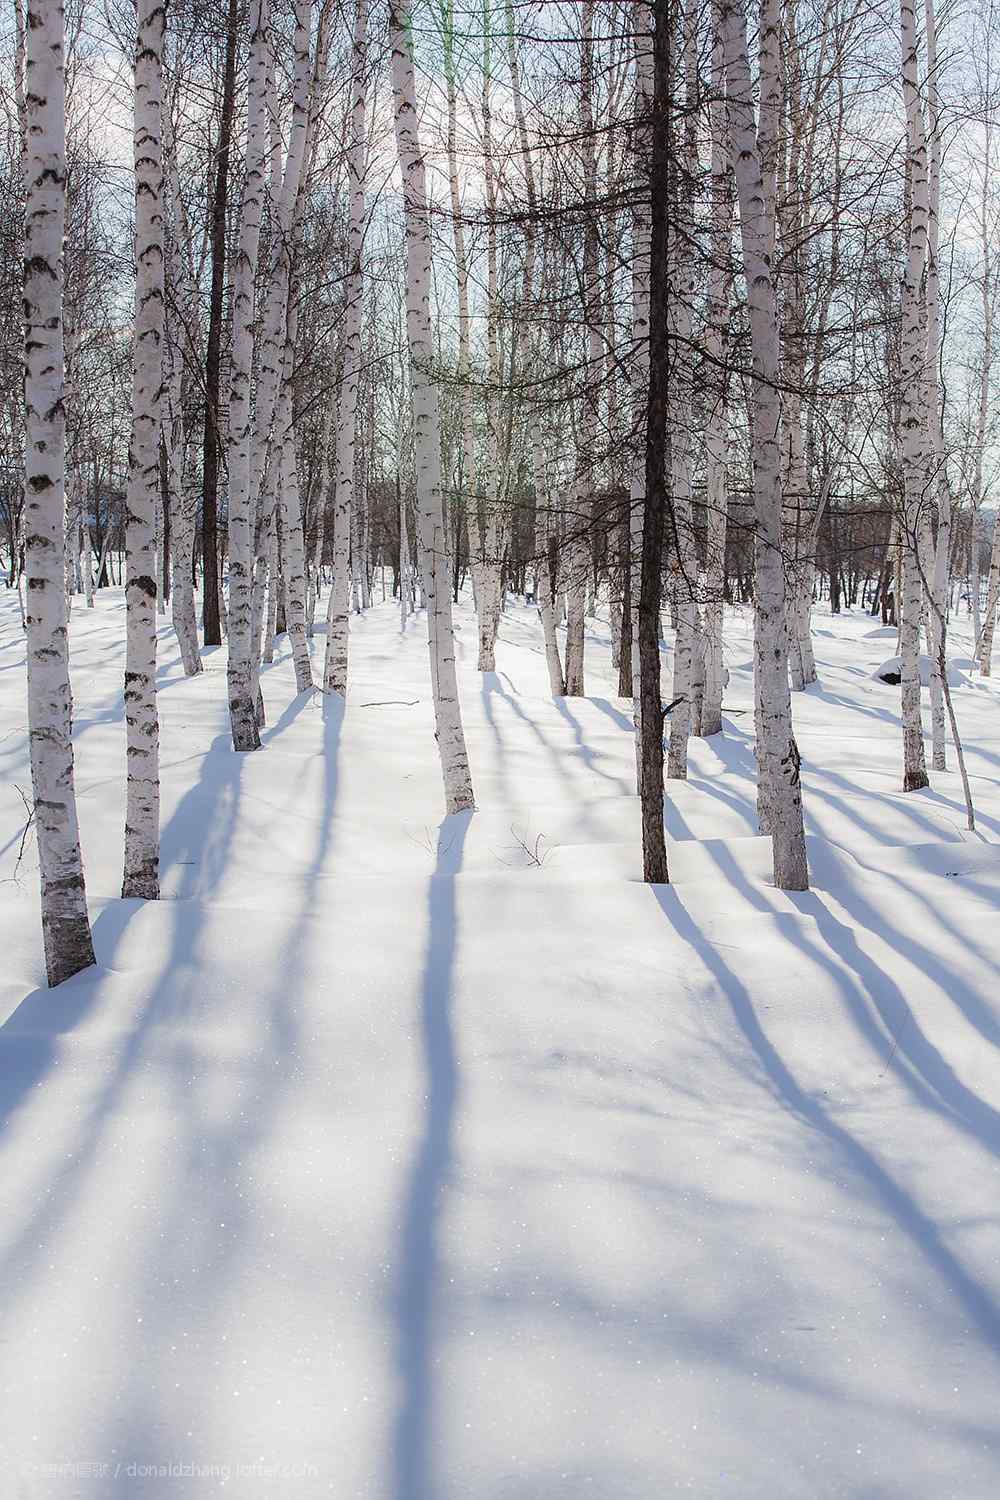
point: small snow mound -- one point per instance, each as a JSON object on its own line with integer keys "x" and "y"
{"x": 891, "y": 672}
{"x": 883, "y": 633}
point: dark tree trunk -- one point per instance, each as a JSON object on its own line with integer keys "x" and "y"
{"x": 625, "y": 644}
{"x": 165, "y": 502}
{"x": 213, "y": 358}
{"x": 836, "y": 577}
{"x": 456, "y": 581}
{"x": 654, "y": 848}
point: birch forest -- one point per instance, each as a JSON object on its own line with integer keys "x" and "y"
{"x": 500, "y": 525}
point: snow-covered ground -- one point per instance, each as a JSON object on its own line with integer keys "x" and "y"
{"x": 384, "y": 1159}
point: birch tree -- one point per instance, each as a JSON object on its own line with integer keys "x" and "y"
{"x": 681, "y": 270}
{"x": 641, "y": 249}
{"x": 578, "y": 552}
{"x": 142, "y": 730}
{"x": 65, "y": 924}
{"x": 778, "y": 755}
{"x": 489, "y": 598}
{"x": 242, "y": 484}
{"x": 988, "y": 253}
{"x": 336, "y": 665}
{"x": 935, "y": 569}
{"x": 716, "y": 422}
{"x": 464, "y": 372}
{"x": 654, "y": 73}
{"x": 293, "y": 541}
{"x": 274, "y": 356}
{"x": 181, "y": 321}
{"x": 913, "y": 428}
{"x": 213, "y": 605}
{"x": 432, "y": 540}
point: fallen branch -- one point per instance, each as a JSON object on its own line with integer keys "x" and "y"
{"x": 29, "y": 808}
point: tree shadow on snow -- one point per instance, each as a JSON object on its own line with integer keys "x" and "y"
{"x": 923, "y": 1233}
{"x": 221, "y": 1111}
{"x": 418, "y": 1290}
{"x": 215, "y": 1186}
{"x": 588, "y": 754}
{"x": 29, "y": 1039}
{"x": 875, "y": 1002}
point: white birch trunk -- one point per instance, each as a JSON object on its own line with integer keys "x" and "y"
{"x": 984, "y": 629}
{"x": 142, "y": 730}
{"x": 181, "y": 527}
{"x": 469, "y": 485}
{"x": 158, "y": 513}
{"x": 183, "y": 500}
{"x": 182, "y": 512}
{"x": 716, "y": 423}
{"x": 545, "y": 549}
{"x": 992, "y": 601}
{"x": 273, "y": 325}
{"x": 578, "y": 551}
{"x": 912, "y": 424}
{"x": 314, "y": 558}
{"x": 641, "y": 241}
{"x": 488, "y": 596}
{"x": 434, "y": 557}
{"x": 87, "y": 562}
{"x": 404, "y": 564}
{"x": 680, "y": 422}
{"x": 365, "y": 508}
{"x": 272, "y": 574}
{"x": 777, "y": 751}
{"x": 293, "y": 546}
{"x": 65, "y": 924}
{"x": 70, "y": 536}
{"x": 242, "y": 481}
{"x": 577, "y": 567}
{"x": 546, "y": 611}
{"x": 320, "y": 487}
{"x": 794, "y": 149}
{"x": 356, "y": 540}
{"x": 335, "y": 669}
{"x": 937, "y": 576}
{"x": 359, "y": 542}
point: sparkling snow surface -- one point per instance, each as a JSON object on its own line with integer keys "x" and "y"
{"x": 393, "y": 1157}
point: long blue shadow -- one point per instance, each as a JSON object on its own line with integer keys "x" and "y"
{"x": 617, "y": 715}
{"x": 590, "y": 756}
{"x": 491, "y": 685}
{"x": 975, "y": 1301}
{"x": 417, "y": 1291}
{"x": 28, "y": 1040}
{"x": 919, "y": 1065}
{"x": 212, "y": 1148}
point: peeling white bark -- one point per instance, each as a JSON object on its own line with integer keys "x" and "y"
{"x": 183, "y": 499}
{"x": 778, "y": 754}
{"x": 716, "y": 422}
{"x": 641, "y": 241}
{"x": 293, "y": 547}
{"x": 681, "y": 297}
{"x": 434, "y": 557}
{"x": 65, "y": 924}
{"x": 936, "y": 575}
{"x": 142, "y": 731}
{"x": 335, "y": 670}
{"x": 912, "y": 423}
{"x": 242, "y": 481}
{"x": 285, "y": 188}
